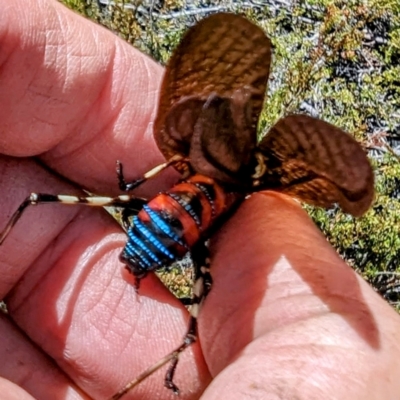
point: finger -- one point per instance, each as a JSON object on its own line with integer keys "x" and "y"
{"x": 69, "y": 297}
{"x": 23, "y": 363}
{"x": 287, "y": 318}
{"x": 74, "y": 94}
{"x": 10, "y": 391}
{"x": 97, "y": 329}
{"x": 39, "y": 226}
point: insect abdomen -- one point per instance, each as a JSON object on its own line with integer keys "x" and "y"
{"x": 170, "y": 224}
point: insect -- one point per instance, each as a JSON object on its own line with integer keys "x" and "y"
{"x": 210, "y": 102}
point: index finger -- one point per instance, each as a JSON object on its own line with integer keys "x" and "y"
{"x": 74, "y": 95}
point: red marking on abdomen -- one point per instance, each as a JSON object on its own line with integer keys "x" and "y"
{"x": 209, "y": 210}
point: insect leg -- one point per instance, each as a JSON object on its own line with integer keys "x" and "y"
{"x": 201, "y": 288}
{"x": 127, "y": 186}
{"x": 124, "y": 201}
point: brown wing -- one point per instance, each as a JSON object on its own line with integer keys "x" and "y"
{"x": 223, "y": 56}
{"x": 317, "y": 163}
{"x": 223, "y": 139}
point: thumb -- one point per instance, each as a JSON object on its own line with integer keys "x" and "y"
{"x": 286, "y": 313}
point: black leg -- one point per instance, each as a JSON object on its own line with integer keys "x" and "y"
{"x": 186, "y": 301}
{"x": 201, "y": 288}
{"x": 125, "y": 218}
{"x": 127, "y": 186}
{"x": 189, "y": 339}
{"x": 132, "y": 203}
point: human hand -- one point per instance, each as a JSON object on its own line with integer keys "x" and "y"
{"x": 77, "y": 98}
{"x": 286, "y": 317}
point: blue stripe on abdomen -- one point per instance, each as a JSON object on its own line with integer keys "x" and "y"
{"x": 187, "y": 205}
{"x": 162, "y": 225}
{"x": 150, "y": 237}
{"x": 151, "y": 244}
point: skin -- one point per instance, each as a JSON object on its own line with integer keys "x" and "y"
{"x": 286, "y": 319}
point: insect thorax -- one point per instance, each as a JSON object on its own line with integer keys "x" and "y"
{"x": 171, "y": 223}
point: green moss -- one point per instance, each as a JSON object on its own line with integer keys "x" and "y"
{"x": 87, "y": 8}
